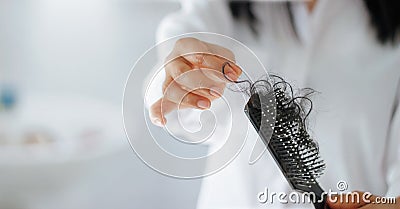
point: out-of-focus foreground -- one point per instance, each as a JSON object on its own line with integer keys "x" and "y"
{"x": 63, "y": 66}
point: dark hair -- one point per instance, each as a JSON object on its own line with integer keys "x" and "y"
{"x": 384, "y": 16}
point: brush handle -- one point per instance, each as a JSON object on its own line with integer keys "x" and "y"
{"x": 321, "y": 204}
{"x": 321, "y": 197}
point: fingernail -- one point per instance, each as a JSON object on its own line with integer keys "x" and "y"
{"x": 231, "y": 76}
{"x": 215, "y": 91}
{"x": 203, "y": 104}
{"x": 158, "y": 122}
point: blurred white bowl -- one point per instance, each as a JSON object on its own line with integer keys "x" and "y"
{"x": 59, "y": 128}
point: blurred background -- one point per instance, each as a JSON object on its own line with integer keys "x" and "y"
{"x": 63, "y": 66}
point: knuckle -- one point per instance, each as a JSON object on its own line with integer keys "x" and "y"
{"x": 169, "y": 90}
{"x": 164, "y": 87}
{"x": 184, "y": 41}
{"x": 228, "y": 54}
{"x": 171, "y": 96}
{"x": 189, "y": 99}
{"x": 174, "y": 70}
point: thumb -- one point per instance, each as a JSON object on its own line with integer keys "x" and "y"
{"x": 346, "y": 201}
{"x": 159, "y": 109}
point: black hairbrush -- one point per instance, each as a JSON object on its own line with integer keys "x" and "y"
{"x": 280, "y": 122}
{"x": 286, "y": 137}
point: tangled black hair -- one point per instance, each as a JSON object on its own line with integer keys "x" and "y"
{"x": 298, "y": 103}
{"x": 384, "y": 17}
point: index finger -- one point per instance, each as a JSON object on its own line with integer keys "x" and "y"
{"x": 214, "y": 66}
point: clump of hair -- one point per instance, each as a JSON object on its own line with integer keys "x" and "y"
{"x": 279, "y": 116}
{"x": 299, "y": 101}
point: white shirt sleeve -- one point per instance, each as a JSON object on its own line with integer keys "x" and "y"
{"x": 197, "y": 16}
{"x": 393, "y": 152}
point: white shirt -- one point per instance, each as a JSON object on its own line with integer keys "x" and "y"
{"x": 356, "y": 118}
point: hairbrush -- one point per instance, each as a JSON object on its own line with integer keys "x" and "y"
{"x": 279, "y": 118}
{"x": 294, "y": 151}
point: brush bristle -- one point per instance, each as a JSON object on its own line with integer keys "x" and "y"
{"x": 290, "y": 144}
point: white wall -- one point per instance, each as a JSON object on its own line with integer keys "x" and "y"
{"x": 83, "y": 47}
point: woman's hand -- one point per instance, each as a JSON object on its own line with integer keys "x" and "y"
{"x": 361, "y": 200}
{"x": 193, "y": 77}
